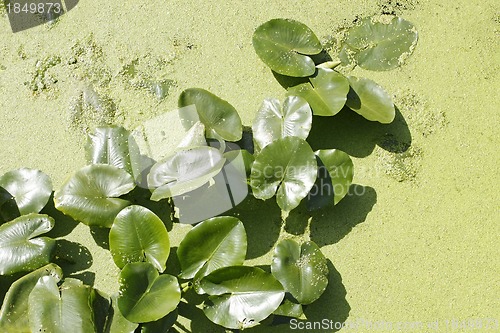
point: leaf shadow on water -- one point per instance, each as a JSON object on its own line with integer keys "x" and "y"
{"x": 64, "y": 224}
{"x": 353, "y": 134}
{"x": 74, "y": 259}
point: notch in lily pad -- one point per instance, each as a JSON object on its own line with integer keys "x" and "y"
{"x": 379, "y": 43}
{"x": 286, "y": 46}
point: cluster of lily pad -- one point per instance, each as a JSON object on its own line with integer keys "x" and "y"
{"x": 280, "y": 163}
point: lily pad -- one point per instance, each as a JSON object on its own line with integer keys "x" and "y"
{"x": 139, "y": 235}
{"x": 91, "y": 195}
{"x": 30, "y": 188}
{"x": 301, "y": 269}
{"x": 379, "y": 43}
{"x": 286, "y": 46}
{"x": 61, "y": 309}
{"x": 184, "y": 171}
{"x": 14, "y": 313}
{"x": 370, "y": 100}
{"x": 286, "y": 167}
{"x": 241, "y": 296}
{"x": 274, "y": 121}
{"x": 326, "y": 94}
{"x": 20, "y": 251}
{"x": 214, "y": 243}
{"x": 145, "y": 295}
{"x": 220, "y": 118}
{"x": 340, "y": 169}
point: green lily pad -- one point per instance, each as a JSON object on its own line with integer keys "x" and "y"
{"x": 340, "y": 169}
{"x": 326, "y": 94}
{"x": 240, "y": 296}
{"x": 14, "y": 312}
{"x": 274, "y": 121}
{"x": 63, "y": 309}
{"x": 220, "y": 118}
{"x": 115, "y": 146}
{"x": 145, "y": 295}
{"x": 20, "y": 251}
{"x": 379, "y": 43}
{"x": 289, "y": 309}
{"x": 116, "y": 322}
{"x": 91, "y": 195}
{"x": 286, "y": 167}
{"x": 301, "y": 269}
{"x": 285, "y": 46}
{"x": 370, "y": 100}
{"x": 30, "y": 188}
{"x": 139, "y": 235}
{"x": 214, "y": 243}
{"x": 184, "y": 171}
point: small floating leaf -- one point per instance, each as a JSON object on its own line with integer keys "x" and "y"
{"x": 379, "y": 44}
{"x": 274, "y": 121}
{"x": 370, "y": 100}
{"x": 326, "y": 94}
{"x": 91, "y": 195}
{"x": 220, "y": 118}
{"x": 138, "y": 235}
{"x": 285, "y": 46}
{"x": 286, "y": 167}
{"x": 301, "y": 269}
{"x": 30, "y": 188}
{"x": 145, "y": 295}
{"x": 240, "y": 296}
{"x": 214, "y": 243}
{"x": 20, "y": 251}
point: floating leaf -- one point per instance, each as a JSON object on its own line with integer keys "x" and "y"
{"x": 115, "y": 146}
{"x": 14, "y": 312}
{"x": 285, "y": 46}
{"x": 326, "y": 94}
{"x": 379, "y": 44}
{"x": 116, "y": 322}
{"x": 301, "y": 269}
{"x": 214, "y": 243}
{"x": 61, "y": 309}
{"x": 273, "y": 121}
{"x": 184, "y": 171}
{"x": 145, "y": 295}
{"x": 289, "y": 309}
{"x": 138, "y": 235}
{"x": 20, "y": 251}
{"x": 286, "y": 167}
{"x": 30, "y": 188}
{"x": 340, "y": 169}
{"x": 240, "y": 296}
{"x": 91, "y": 194}
{"x": 220, "y": 118}
{"x": 370, "y": 100}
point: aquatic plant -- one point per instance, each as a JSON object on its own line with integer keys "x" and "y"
{"x": 110, "y": 193}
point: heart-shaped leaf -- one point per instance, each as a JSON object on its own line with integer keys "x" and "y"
{"x": 138, "y": 235}
{"x": 114, "y": 145}
{"x": 286, "y": 167}
{"x": 341, "y": 171}
{"x": 326, "y": 94}
{"x": 301, "y": 269}
{"x": 370, "y": 100}
{"x": 145, "y": 295}
{"x": 91, "y": 194}
{"x": 214, "y": 243}
{"x": 285, "y": 46}
{"x": 61, "y": 309}
{"x": 240, "y": 296}
{"x": 379, "y": 43}
{"x": 184, "y": 171}
{"x": 273, "y": 121}
{"x": 116, "y": 322}
{"x": 30, "y": 188}
{"x": 14, "y": 312}
{"x": 20, "y": 251}
{"x": 220, "y": 118}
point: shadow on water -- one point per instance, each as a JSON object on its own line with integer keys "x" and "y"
{"x": 64, "y": 224}
{"x": 74, "y": 258}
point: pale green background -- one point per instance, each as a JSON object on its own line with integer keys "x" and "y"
{"x": 422, "y": 244}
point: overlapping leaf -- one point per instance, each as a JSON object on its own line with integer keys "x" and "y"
{"x": 370, "y": 100}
